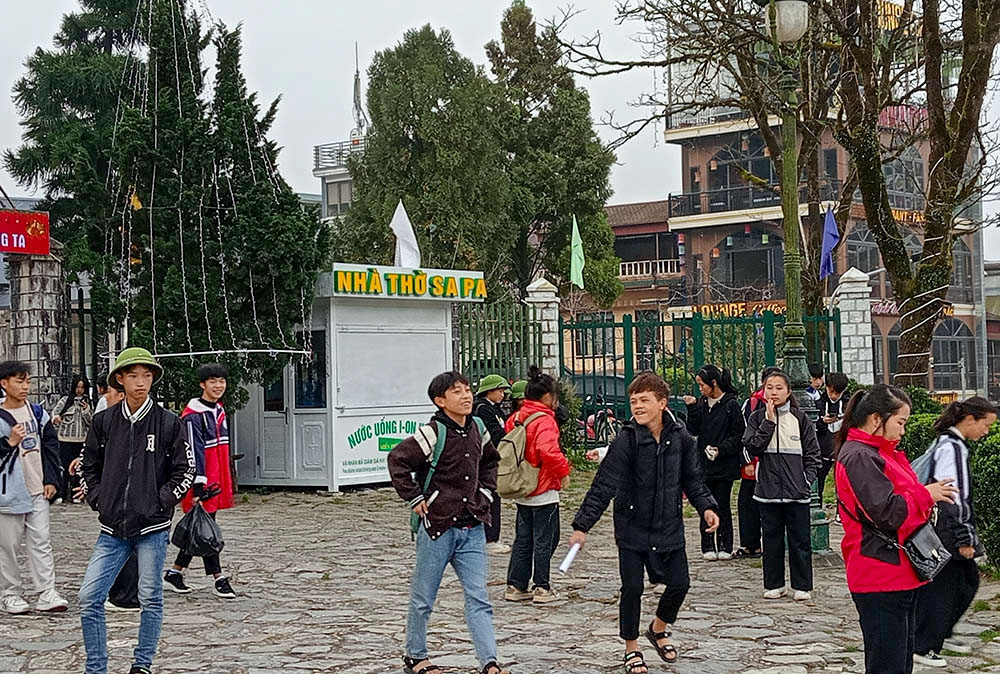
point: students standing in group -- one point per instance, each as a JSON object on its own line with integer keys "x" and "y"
{"x": 716, "y": 420}
{"x": 32, "y": 476}
{"x": 942, "y": 602}
{"x": 830, "y": 407}
{"x": 453, "y": 507}
{"x": 747, "y": 508}
{"x": 784, "y": 440}
{"x": 876, "y": 484}
{"x": 536, "y": 534}
{"x": 492, "y": 390}
{"x": 207, "y": 431}
{"x": 137, "y": 466}
{"x": 72, "y": 416}
{"x": 650, "y": 465}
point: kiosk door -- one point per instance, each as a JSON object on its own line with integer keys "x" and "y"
{"x": 276, "y": 439}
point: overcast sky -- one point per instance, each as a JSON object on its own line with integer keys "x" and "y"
{"x": 303, "y": 50}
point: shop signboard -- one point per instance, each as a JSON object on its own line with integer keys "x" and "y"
{"x": 377, "y": 282}
{"x": 367, "y": 442}
{"x": 24, "y": 232}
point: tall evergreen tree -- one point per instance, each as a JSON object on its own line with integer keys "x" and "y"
{"x": 196, "y": 243}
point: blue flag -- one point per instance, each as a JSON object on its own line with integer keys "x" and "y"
{"x": 831, "y": 237}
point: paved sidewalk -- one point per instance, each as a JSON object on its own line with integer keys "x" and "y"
{"x": 323, "y": 584}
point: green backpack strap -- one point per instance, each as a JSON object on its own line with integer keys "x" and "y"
{"x": 483, "y": 433}
{"x": 442, "y": 433}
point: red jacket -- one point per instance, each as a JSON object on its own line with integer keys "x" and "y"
{"x": 756, "y": 400}
{"x": 874, "y": 480}
{"x": 207, "y": 431}
{"x": 543, "y": 445}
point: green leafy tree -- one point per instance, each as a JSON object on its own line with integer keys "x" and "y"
{"x": 558, "y": 166}
{"x": 435, "y": 143}
{"x": 193, "y": 241}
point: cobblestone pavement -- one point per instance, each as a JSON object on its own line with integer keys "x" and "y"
{"x": 323, "y": 582}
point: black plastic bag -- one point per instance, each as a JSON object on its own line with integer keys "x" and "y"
{"x": 197, "y": 534}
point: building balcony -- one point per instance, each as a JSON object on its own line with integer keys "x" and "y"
{"x": 638, "y": 270}
{"x": 741, "y": 198}
{"x": 332, "y": 156}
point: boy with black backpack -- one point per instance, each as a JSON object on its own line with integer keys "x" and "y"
{"x": 447, "y": 472}
{"x": 30, "y": 464}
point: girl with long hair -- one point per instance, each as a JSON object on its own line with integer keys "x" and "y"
{"x": 877, "y": 486}
{"x": 72, "y": 416}
{"x": 715, "y": 418}
{"x": 784, "y": 440}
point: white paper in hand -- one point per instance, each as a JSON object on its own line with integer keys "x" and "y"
{"x": 570, "y": 556}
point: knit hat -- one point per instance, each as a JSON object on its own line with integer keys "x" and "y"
{"x": 492, "y": 382}
{"x": 134, "y": 356}
{"x": 517, "y": 389}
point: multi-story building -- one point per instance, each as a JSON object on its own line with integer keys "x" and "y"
{"x": 718, "y": 243}
{"x": 991, "y": 289}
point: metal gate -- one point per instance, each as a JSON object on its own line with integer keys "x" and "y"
{"x": 602, "y": 357}
{"x": 502, "y": 338}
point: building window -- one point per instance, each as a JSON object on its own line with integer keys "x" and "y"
{"x": 636, "y": 248}
{"x": 862, "y": 251}
{"x": 892, "y": 342}
{"x": 597, "y": 338}
{"x": 310, "y": 375}
{"x": 877, "y": 352}
{"x": 961, "y": 273}
{"x": 274, "y": 395}
{"x": 748, "y": 267}
{"x": 830, "y": 164}
{"x": 954, "y": 349}
{"x": 339, "y": 196}
{"x": 904, "y": 179}
{"x": 993, "y": 368}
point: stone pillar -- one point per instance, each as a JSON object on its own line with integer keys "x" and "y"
{"x": 544, "y": 297}
{"x": 38, "y": 322}
{"x": 853, "y": 297}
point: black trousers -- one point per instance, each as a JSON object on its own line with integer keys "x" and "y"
{"x": 942, "y": 603}
{"x": 536, "y": 537}
{"x": 68, "y": 451}
{"x": 669, "y": 568}
{"x": 888, "y": 623}
{"x": 213, "y": 565}
{"x": 778, "y": 520}
{"x": 722, "y": 539}
{"x": 125, "y": 592}
{"x": 493, "y": 530}
{"x": 824, "y": 470}
{"x": 749, "y": 514}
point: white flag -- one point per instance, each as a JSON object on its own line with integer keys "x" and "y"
{"x": 407, "y": 249}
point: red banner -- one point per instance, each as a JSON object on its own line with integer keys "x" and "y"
{"x": 24, "y": 232}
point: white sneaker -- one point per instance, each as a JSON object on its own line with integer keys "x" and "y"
{"x": 51, "y": 601}
{"x": 497, "y": 548}
{"x": 930, "y": 659}
{"x": 13, "y": 604}
{"x": 725, "y": 556}
{"x": 710, "y": 556}
{"x": 802, "y": 595}
{"x": 957, "y": 646}
{"x": 776, "y": 593}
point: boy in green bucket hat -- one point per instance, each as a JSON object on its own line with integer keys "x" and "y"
{"x": 490, "y": 393}
{"x": 137, "y": 465}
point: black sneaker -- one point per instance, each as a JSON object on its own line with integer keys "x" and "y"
{"x": 175, "y": 581}
{"x": 139, "y": 669}
{"x": 224, "y": 589}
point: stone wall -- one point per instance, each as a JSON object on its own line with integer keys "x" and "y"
{"x": 38, "y": 319}
{"x": 853, "y": 298}
{"x": 543, "y": 296}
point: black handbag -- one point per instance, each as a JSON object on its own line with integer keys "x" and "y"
{"x": 923, "y": 547}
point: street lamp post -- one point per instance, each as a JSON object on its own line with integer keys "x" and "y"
{"x": 788, "y": 21}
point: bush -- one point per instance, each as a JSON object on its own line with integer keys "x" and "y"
{"x": 680, "y": 380}
{"x": 922, "y": 401}
{"x": 568, "y": 436}
{"x": 853, "y": 387}
{"x": 920, "y": 434}
{"x": 985, "y": 460}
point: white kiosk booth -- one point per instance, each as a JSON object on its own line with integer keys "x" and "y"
{"x": 379, "y": 335}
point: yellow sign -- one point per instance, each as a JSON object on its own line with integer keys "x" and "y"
{"x": 734, "y": 309}
{"x": 908, "y": 217}
{"x": 397, "y": 282}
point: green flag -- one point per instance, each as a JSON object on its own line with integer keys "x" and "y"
{"x": 577, "y": 261}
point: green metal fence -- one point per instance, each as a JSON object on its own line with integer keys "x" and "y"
{"x": 602, "y": 357}
{"x": 502, "y": 338}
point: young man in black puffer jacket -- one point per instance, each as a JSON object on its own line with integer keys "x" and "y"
{"x": 717, "y": 421}
{"x": 649, "y": 467}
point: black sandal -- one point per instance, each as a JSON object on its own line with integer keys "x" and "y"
{"x": 634, "y": 661}
{"x": 662, "y": 651}
{"x": 409, "y": 664}
{"x": 744, "y": 553}
{"x": 494, "y": 668}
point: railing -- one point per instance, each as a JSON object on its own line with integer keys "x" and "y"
{"x": 743, "y": 197}
{"x": 649, "y": 268}
{"x": 335, "y": 155}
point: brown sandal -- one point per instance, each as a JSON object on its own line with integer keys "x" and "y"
{"x": 634, "y": 661}
{"x": 662, "y": 651}
{"x": 409, "y": 666}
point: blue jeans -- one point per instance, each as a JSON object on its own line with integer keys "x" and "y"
{"x": 110, "y": 555}
{"x": 465, "y": 550}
